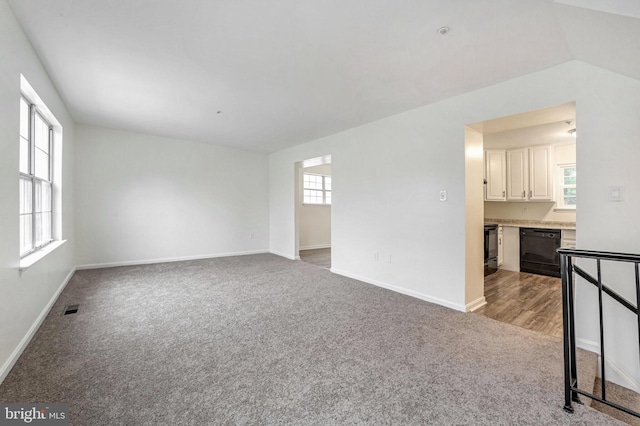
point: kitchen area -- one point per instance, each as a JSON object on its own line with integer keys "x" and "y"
{"x": 529, "y": 212}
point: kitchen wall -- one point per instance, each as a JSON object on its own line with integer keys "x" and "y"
{"x": 315, "y": 220}
{"x": 26, "y": 297}
{"x": 142, "y": 198}
{"x": 388, "y": 176}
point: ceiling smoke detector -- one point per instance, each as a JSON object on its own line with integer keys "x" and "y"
{"x": 443, "y": 30}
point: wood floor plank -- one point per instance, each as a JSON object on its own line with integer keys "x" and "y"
{"x": 318, "y": 257}
{"x": 527, "y": 300}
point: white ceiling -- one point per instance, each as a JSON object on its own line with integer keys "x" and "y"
{"x": 543, "y": 134}
{"x": 287, "y": 72}
{"x": 554, "y": 114}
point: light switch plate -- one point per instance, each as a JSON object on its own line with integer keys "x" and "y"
{"x": 443, "y": 195}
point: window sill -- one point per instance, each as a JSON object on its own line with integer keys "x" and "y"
{"x": 30, "y": 260}
{"x": 564, "y": 209}
{"x": 319, "y": 205}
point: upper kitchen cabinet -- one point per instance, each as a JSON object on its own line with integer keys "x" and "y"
{"x": 540, "y": 175}
{"x": 517, "y": 174}
{"x": 529, "y": 175}
{"x": 495, "y": 175}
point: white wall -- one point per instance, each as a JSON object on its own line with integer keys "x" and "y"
{"x": 142, "y": 198}
{"x": 607, "y": 155}
{"x": 388, "y": 174}
{"x": 315, "y": 220}
{"x": 25, "y": 297}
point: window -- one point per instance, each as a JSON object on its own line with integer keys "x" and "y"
{"x": 567, "y": 186}
{"x": 317, "y": 189}
{"x": 36, "y": 137}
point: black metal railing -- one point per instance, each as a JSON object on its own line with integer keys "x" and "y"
{"x": 568, "y": 268}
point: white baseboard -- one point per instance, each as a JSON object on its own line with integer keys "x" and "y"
{"x": 15, "y": 355}
{"x": 167, "y": 259}
{"x": 402, "y": 290}
{"x": 616, "y": 375}
{"x": 476, "y": 304}
{"x": 317, "y": 246}
{"x": 286, "y": 256}
{"x": 588, "y": 345}
{"x": 614, "y": 372}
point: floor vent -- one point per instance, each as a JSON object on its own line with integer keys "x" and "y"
{"x": 71, "y": 309}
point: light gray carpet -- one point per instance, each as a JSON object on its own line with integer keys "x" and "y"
{"x": 264, "y": 340}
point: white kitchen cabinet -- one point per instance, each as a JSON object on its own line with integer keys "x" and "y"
{"x": 568, "y": 238}
{"x": 500, "y": 246}
{"x": 511, "y": 248}
{"x": 517, "y": 174}
{"x": 540, "y": 177}
{"x": 529, "y": 176}
{"x": 495, "y": 175}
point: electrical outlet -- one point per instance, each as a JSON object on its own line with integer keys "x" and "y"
{"x": 616, "y": 193}
{"x": 443, "y": 195}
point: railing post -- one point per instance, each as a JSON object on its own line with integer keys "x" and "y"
{"x": 571, "y": 389}
{"x": 601, "y": 315}
{"x": 566, "y": 333}
{"x": 572, "y": 328}
{"x": 637, "y": 298}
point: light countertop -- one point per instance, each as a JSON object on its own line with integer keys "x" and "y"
{"x": 521, "y": 223}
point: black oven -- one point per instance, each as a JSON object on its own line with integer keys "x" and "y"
{"x": 490, "y": 249}
{"x": 538, "y": 251}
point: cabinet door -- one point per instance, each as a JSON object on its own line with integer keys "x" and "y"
{"x": 540, "y": 176}
{"x": 496, "y": 175}
{"x": 500, "y": 246}
{"x": 511, "y": 250}
{"x": 517, "y": 174}
{"x": 568, "y": 238}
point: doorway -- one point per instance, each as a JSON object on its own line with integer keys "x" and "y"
{"x": 313, "y": 211}
{"x": 529, "y": 182}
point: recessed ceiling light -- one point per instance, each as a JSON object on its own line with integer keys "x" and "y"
{"x": 443, "y": 30}
{"x": 218, "y": 112}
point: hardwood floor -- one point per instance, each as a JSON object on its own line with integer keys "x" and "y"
{"x": 527, "y": 300}
{"x": 318, "y": 257}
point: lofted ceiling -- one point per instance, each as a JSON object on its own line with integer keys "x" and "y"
{"x": 268, "y": 75}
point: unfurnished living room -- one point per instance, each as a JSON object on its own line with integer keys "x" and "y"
{"x": 246, "y": 212}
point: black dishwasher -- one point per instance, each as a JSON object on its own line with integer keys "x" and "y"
{"x": 538, "y": 251}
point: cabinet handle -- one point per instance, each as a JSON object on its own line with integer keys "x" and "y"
{"x": 504, "y": 193}
{"x": 530, "y": 193}
{"x": 524, "y": 194}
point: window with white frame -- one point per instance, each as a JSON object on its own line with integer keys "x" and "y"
{"x": 566, "y": 198}
{"x": 36, "y": 149}
{"x": 317, "y": 189}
